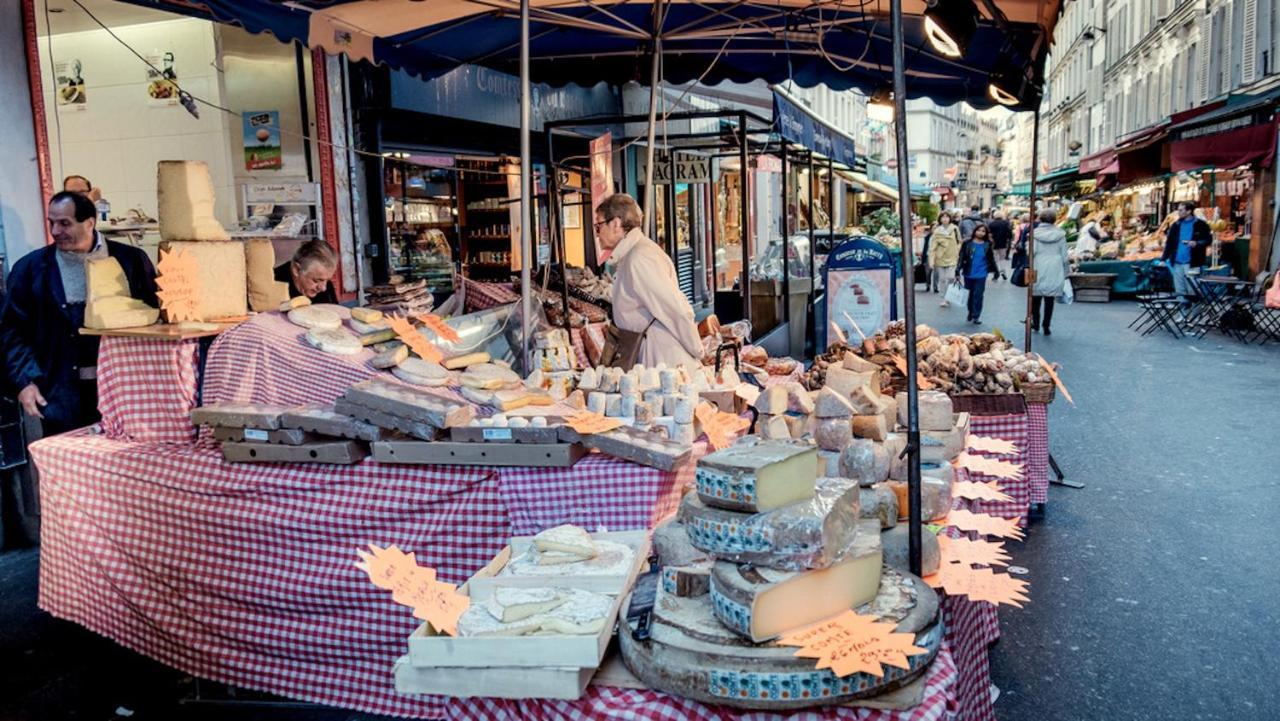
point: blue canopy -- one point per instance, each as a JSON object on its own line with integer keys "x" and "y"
{"x": 809, "y": 42}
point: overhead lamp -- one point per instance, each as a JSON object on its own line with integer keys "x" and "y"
{"x": 880, "y": 107}
{"x": 950, "y": 25}
{"x": 1009, "y": 85}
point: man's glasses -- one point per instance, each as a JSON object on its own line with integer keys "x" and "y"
{"x": 597, "y": 226}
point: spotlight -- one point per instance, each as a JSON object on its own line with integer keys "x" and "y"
{"x": 880, "y": 108}
{"x": 950, "y": 25}
{"x": 1009, "y": 85}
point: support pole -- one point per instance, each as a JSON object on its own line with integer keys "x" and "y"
{"x": 813, "y": 217}
{"x": 556, "y": 224}
{"x": 1031, "y": 230}
{"x": 786, "y": 242}
{"x": 908, "y": 296}
{"x": 650, "y": 217}
{"x": 526, "y": 192}
{"x": 744, "y": 231}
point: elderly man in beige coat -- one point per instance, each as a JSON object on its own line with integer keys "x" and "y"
{"x": 646, "y": 292}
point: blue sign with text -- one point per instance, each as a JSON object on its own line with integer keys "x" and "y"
{"x": 797, "y": 125}
{"x": 861, "y": 280}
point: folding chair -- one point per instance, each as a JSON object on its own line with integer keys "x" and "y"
{"x": 1266, "y": 321}
{"x": 1158, "y": 287}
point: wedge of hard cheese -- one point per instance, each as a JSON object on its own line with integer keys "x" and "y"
{"x": 223, "y": 280}
{"x": 806, "y": 534}
{"x": 763, "y": 603}
{"x": 107, "y": 300}
{"x": 185, "y": 201}
{"x": 567, "y": 539}
{"x": 757, "y": 477}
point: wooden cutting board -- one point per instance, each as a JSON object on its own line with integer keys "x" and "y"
{"x": 164, "y": 331}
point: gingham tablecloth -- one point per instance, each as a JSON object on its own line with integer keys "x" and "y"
{"x": 1038, "y": 451}
{"x": 1016, "y": 429}
{"x": 147, "y": 388}
{"x": 644, "y": 705}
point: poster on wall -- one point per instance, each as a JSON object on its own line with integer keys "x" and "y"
{"x": 860, "y": 289}
{"x": 601, "y": 182}
{"x": 69, "y": 92}
{"x": 262, "y": 140}
{"x": 161, "y": 89}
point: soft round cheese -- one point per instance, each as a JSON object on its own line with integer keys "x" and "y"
{"x": 313, "y": 316}
{"x": 333, "y": 340}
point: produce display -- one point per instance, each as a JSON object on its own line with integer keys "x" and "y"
{"x": 954, "y": 363}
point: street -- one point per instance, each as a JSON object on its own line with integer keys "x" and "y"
{"x": 1151, "y": 588}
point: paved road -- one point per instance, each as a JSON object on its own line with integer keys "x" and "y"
{"x": 1153, "y": 589}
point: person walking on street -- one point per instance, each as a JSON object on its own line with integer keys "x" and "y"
{"x": 1184, "y": 248}
{"x": 1001, "y": 238}
{"x": 970, "y": 221}
{"x": 944, "y": 252}
{"x": 977, "y": 261}
{"x": 1049, "y": 260}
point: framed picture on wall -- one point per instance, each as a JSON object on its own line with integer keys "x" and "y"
{"x": 572, "y": 214}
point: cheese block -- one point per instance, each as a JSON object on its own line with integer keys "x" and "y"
{"x": 833, "y": 434}
{"x": 935, "y": 498}
{"x": 222, "y": 286}
{"x": 762, "y": 603}
{"x": 108, "y": 303}
{"x": 690, "y": 654}
{"x": 935, "y": 411}
{"x": 185, "y": 202}
{"x": 855, "y": 362}
{"x": 685, "y": 568}
{"x": 468, "y": 359}
{"x": 858, "y": 462}
{"x": 409, "y": 403}
{"x": 388, "y": 359}
{"x": 589, "y": 380}
{"x": 872, "y": 427}
{"x": 899, "y": 470}
{"x": 799, "y": 399}
{"x": 757, "y": 477}
{"x": 774, "y": 428}
{"x": 490, "y": 376}
{"x": 828, "y": 463}
{"x": 894, "y": 544}
{"x": 322, "y": 421}
{"x": 265, "y": 292}
{"x": 772, "y": 401}
{"x": 944, "y": 446}
{"x": 845, "y": 382}
{"x": 334, "y": 340}
{"x": 807, "y": 534}
{"x": 366, "y": 315}
{"x": 568, "y": 539}
{"x": 830, "y": 404}
{"x": 516, "y": 604}
{"x": 865, "y": 401}
{"x": 879, "y": 502}
{"x": 239, "y": 415}
{"x": 294, "y": 302}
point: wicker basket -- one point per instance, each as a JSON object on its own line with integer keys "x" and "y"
{"x": 989, "y": 404}
{"x": 1039, "y": 392}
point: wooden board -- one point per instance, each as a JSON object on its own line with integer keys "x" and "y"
{"x": 163, "y": 331}
{"x": 336, "y": 452}
{"x": 482, "y": 434}
{"x": 448, "y": 453}
{"x": 567, "y": 683}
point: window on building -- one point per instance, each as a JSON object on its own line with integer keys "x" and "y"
{"x": 1236, "y": 78}
{"x": 1189, "y": 77}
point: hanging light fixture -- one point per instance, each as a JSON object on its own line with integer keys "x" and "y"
{"x": 1009, "y": 84}
{"x": 880, "y": 107}
{"x": 950, "y": 25}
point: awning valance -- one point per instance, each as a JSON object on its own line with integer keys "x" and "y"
{"x": 1229, "y": 149}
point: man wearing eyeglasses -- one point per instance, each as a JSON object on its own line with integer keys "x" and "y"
{"x": 646, "y": 293}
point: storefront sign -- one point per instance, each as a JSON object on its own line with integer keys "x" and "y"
{"x": 280, "y": 193}
{"x": 262, "y": 140}
{"x": 687, "y": 168}
{"x": 796, "y": 124}
{"x": 860, "y": 288}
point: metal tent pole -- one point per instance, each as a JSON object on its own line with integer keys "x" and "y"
{"x": 1031, "y": 230}
{"x": 743, "y": 231}
{"x": 908, "y": 296}
{"x": 786, "y": 234}
{"x": 526, "y": 177}
{"x": 651, "y": 218}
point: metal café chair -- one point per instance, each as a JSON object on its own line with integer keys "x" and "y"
{"x": 1158, "y": 303}
{"x": 1266, "y": 321}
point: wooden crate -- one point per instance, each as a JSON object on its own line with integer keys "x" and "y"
{"x": 448, "y": 453}
{"x": 487, "y": 578}
{"x": 567, "y": 683}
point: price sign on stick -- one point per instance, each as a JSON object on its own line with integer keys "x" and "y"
{"x": 588, "y": 423}
{"x": 416, "y": 342}
{"x": 415, "y": 586}
{"x": 976, "y": 491}
{"x": 437, "y": 325}
{"x": 720, "y": 427}
{"x": 972, "y": 552}
{"x": 852, "y": 643}
{"x": 178, "y": 280}
{"x": 979, "y": 584}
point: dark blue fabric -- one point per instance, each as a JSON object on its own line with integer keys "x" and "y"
{"x": 978, "y": 266}
{"x": 977, "y": 287}
{"x": 839, "y": 46}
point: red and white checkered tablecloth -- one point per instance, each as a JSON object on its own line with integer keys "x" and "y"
{"x": 603, "y": 702}
{"x": 1013, "y": 428}
{"x": 1038, "y": 451}
{"x": 483, "y": 296}
{"x": 147, "y": 388}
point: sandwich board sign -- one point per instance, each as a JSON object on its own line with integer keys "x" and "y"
{"x": 860, "y": 279}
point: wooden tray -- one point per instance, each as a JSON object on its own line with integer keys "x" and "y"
{"x": 486, "y": 579}
{"x": 336, "y": 452}
{"x": 568, "y": 683}
{"x": 448, "y": 453}
{"x": 162, "y": 331}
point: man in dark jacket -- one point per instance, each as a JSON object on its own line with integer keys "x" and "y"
{"x": 970, "y": 221}
{"x": 1001, "y": 236}
{"x": 1184, "y": 247}
{"x": 52, "y": 366}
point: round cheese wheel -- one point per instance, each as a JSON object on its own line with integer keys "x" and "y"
{"x": 416, "y": 379}
{"x": 491, "y": 376}
{"x": 310, "y": 316}
{"x": 295, "y": 302}
{"x": 333, "y": 340}
{"x": 421, "y": 372}
{"x": 364, "y": 328}
{"x": 390, "y": 358}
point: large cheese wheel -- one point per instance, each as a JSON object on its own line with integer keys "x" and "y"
{"x": 223, "y": 279}
{"x": 313, "y": 316}
{"x": 334, "y": 340}
{"x": 185, "y": 200}
{"x": 757, "y": 477}
{"x": 107, "y": 300}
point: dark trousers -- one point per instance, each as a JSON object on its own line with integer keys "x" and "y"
{"x": 1035, "y": 311}
{"x": 86, "y": 415}
{"x": 976, "y": 286}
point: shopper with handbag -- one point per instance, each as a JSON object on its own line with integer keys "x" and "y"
{"x": 652, "y": 319}
{"x": 944, "y": 252}
{"x": 1049, "y": 259}
{"x": 977, "y": 261}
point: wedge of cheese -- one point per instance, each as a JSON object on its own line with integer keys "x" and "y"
{"x": 265, "y": 292}
{"x": 757, "y": 477}
{"x": 762, "y": 603}
{"x": 185, "y": 200}
{"x": 568, "y": 539}
{"x": 516, "y": 604}
{"x": 223, "y": 279}
{"x": 108, "y": 303}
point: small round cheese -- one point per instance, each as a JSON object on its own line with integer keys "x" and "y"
{"x": 333, "y": 340}
{"x": 310, "y": 316}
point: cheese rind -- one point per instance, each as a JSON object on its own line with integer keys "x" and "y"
{"x": 880, "y": 503}
{"x": 757, "y": 477}
{"x": 566, "y": 538}
{"x": 763, "y": 603}
{"x": 830, "y": 404}
{"x": 807, "y": 534}
{"x": 935, "y": 411}
{"x": 894, "y": 543}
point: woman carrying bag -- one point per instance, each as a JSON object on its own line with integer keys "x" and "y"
{"x": 977, "y": 261}
{"x": 1050, "y": 261}
{"x": 944, "y": 252}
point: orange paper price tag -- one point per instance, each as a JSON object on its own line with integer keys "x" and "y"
{"x": 437, "y": 325}
{"x": 178, "y": 283}
{"x": 587, "y": 423}
{"x": 975, "y": 552}
{"x": 411, "y": 585}
{"x": 720, "y": 427}
{"x": 979, "y": 584}
{"x": 975, "y": 491}
{"x": 994, "y": 446}
{"x": 852, "y": 643}
{"x": 921, "y": 381}
{"x": 983, "y": 523}
{"x": 1056, "y": 380}
{"x": 417, "y": 342}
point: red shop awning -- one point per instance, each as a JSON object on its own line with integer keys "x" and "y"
{"x": 1112, "y": 169}
{"x": 1092, "y": 163}
{"x": 1242, "y": 146}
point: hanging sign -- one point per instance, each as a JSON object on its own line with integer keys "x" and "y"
{"x": 794, "y": 123}
{"x": 686, "y": 169}
{"x": 261, "y": 131}
{"x": 601, "y": 150}
{"x": 860, "y": 277}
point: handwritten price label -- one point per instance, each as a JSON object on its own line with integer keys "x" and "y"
{"x": 720, "y": 427}
{"x": 994, "y": 446}
{"x": 588, "y": 423}
{"x": 979, "y": 584}
{"x": 416, "y": 342}
{"x": 852, "y": 643}
{"x": 437, "y": 325}
{"x": 415, "y": 586}
{"x": 178, "y": 280}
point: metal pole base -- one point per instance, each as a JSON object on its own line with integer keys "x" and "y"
{"x": 1061, "y": 479}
